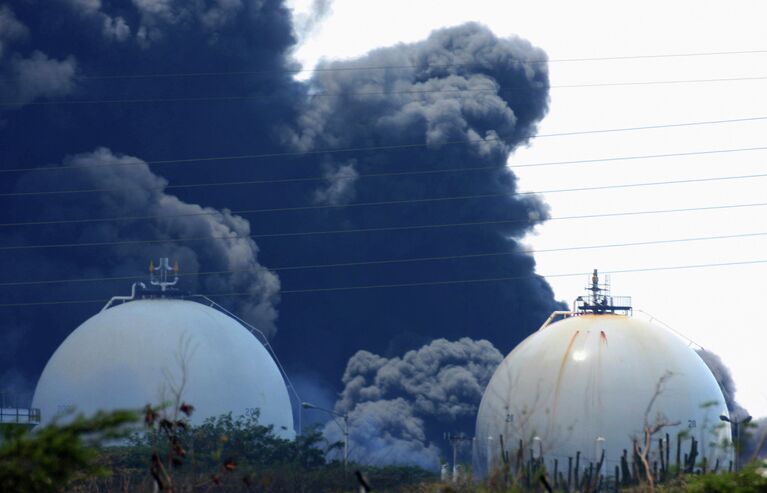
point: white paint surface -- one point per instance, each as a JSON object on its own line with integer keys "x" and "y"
{"x": 594, "y": 376}
{"x": 136, "y": 353}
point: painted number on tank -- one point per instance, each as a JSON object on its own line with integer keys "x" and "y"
{"x": 691, "y": 423}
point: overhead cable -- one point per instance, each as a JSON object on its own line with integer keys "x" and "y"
{"x": 402, "y": 146}
{"x": 331, "y": 67}
{"x": 399, "y": 260}
{"x": 265, "y": 98}
{"x": 362, "y": 204}
{"x": 387, "y": 228}
{"x": 185, "y": 186}
{"x": 418, "y": 284}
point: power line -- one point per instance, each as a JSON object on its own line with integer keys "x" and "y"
{"x": 419, "y": 284}
{"x": 399, "y": 228}
{"x": 400, "y": 260}
{"x": 401, "y": 67}
{"x": 391, "y": 174}
{"x": 650, "y": 127}
{"x": 359, "y": 204}
{"x": 195, "y": 99}
{"x": 495, "y": 90}
{"x": 658, "y": 82}
{"x": 381, "y": 175}
{"x": 499, "y": 279}
{"x": 158, "y": 162}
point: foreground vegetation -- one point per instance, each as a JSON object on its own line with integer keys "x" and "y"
{"x": 105, "y": 454}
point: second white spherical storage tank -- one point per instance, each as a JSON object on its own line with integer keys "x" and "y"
{"x": 136, "y": 353}
{"x": 594, "y": 382}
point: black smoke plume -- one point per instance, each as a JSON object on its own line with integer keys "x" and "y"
{"x": 459, "y": 103}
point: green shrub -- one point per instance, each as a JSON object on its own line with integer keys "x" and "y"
{"x": 49, "y": 458}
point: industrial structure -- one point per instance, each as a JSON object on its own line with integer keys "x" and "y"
{"x": 12, "y": 413}
{"x": 159, "y": 346}
{"x": 597, "y": 396}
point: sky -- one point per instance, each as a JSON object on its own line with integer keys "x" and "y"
{"x": 720, "y": 308}
{"x": 407, "y": 167}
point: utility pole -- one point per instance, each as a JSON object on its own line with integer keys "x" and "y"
{"x": 736, "y": 432}
{"x": 455, "y": 442}
{"x": 344, "y": 427}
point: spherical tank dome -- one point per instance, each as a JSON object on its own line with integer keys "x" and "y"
{"x": 597, "y": 382}
{"x": 136, "y": 353}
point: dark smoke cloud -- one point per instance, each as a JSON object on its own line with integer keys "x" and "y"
{"x": 469, "y": 98}
{"x": 151, "y": 19}
{"x": 11, "y": 28}
{"x": 140, "y": 193}
{"x": 339, "y": 187}
{"x": 399, "y": 407}
{"x": 25, "y": 77}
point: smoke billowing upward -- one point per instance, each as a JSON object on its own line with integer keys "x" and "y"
{"x": 174, "y": 80}
{"x": 141, "y": 195}
{"x": 398, "y": 407}
{"x": 458, "y": 102}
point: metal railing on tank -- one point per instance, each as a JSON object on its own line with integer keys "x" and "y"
{"x": 19, "y": 415}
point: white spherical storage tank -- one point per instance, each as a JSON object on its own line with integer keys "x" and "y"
{"x": 137, "y": 352}
{"x": 594, "y": 383}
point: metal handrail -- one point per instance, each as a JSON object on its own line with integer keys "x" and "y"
{"x": 20, "y": 415}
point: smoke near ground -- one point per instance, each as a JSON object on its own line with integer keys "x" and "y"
{"x": 755, "y": 441}
{"x": 753, "y": 435}
{"x": 400, "y": 407}
{"x": 726, "y": 383}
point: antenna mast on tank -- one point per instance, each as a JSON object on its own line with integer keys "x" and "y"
{"x": 600, "y": 301}
{"x": 159, "y": 275}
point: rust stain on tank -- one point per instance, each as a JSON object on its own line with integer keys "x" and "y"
{"x": 561, "y": 373}
{"x": 603, "y": 336}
